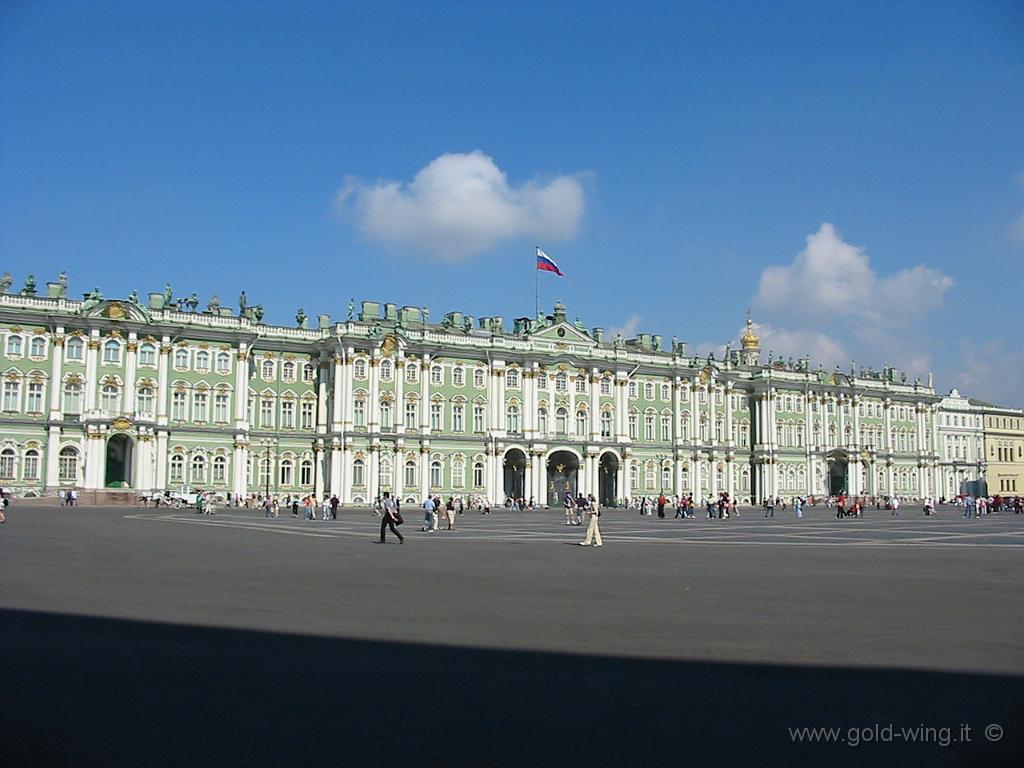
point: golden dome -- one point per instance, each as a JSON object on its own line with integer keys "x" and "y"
{"x": 749, "y": 339}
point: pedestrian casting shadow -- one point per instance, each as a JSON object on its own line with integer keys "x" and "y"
{"x": 83, "y": 691}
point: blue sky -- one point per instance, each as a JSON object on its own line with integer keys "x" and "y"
{"x": 854, "y": 172}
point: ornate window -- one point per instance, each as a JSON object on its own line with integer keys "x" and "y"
{"x": 202, "y": 360}
{"x": 220, "y": 407}
{"x": 34, "y": 401}
{"x": 265, "y": 465}
{"x": 632, "y": 390}
{"x": 581, "y": 423}
{"x": 177, "y": 468}
{"x": 14, "y": 345}
{"x": 359, "y": 368}
{"x": 358, "y": 472}
{"x": 458, "y": 417}
{"x": 666, "y": 428}
{"x": 512, "y": 377}
{"x": 181, "y": 360}
{"x": 223, "y": 363}
{"x": 72, "y": 398}
{"x": 478, "y": 474}
{"x": 109, "y": 396}
{"x": 478, "y": 418}
{"x": 666, "y": 392}
{"x": 288, "y": 371}
{"x": 458, "y": 474}
{"x": 144, "y": 402}
{"x": 287, "y": 414}
{"x": 8, "y": 460}
{"x": 75, "y": 348}
{"x": 287, "y": 472}
{"x": 147, "y": 355}
{"x": 606, "y": 385}
{"x": 436, "y": 417}
{"x": 306, "y": 472}
{"x": 542, "y": 380}
{"x": 542, "y": 420}
{"x": 359, "y": 412}
{"x": 561, "y": 382}
{"x": 220, "y": 467}
{"x": 512, "y": 419}
{"x": 200, "y": 401}
{"x": 459, "y": 376}
{"x": 581, "y": 383}
{"x": 411, "y": 372}
{"x": 435, "y": 474}
{"x": 31, "y": 465}
{"x": 606, "y": 424}
{"x": 198, "y": 469}
{"x": 409, "y": 478}
{"x": 648, "y": 391}
{"x": 648, "y": 426}
{"x": 385, "y": 370}
{"x": 38, "y": 347}
{"x": 633, "y": 425}
{"x": 385, "y": 414}
{"x": 437, "y": 375}
{"x": 412, "y": 414}
{"x": 68, "y": 465}
{"x": 479, "y": 378}
{"x": 111, "y": 352}
{"x": 307, "y": 415}
{"x": 267, "y": 412}
{"x": 308, "y": 372}
{"x": 561, "y": 421}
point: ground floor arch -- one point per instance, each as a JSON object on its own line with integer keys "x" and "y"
{"x": 608, "y": 479}
{"x": 562, "y": 475}
{"x": 118, "y": 462}
{"x": 514, "y": 471}
{"x": 838, "y": 473}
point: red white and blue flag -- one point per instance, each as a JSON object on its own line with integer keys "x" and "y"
{"x": 546, "y": 264}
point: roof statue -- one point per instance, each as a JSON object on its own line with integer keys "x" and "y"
{"x": 5, "y": 282}
{"x": 749, "y": 340}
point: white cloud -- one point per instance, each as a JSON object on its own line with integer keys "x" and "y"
{"x": 831, "y": 278}
{"x": 797, "y": 343}
{"x": 628, "y": 329}
{"x": 991, "y": 371}
{"x": 460, "y": 205}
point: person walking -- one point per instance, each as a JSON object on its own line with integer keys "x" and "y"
{"x": 449, "y": 511}
{"x": 895, "y": 507}
{"x": 334, "y": 507}
{"x": 798, "y": 507}
{"x": 662, "y": 501}
{"x": 593, "y": 537}
{"x": 769, "y": 508}
{"x": 428, "y": 515}
{"x": 389, "y": 519}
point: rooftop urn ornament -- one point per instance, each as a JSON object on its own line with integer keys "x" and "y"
{"x": 5, "y": 282}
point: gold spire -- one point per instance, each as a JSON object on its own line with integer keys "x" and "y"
{"x": 749, "y": 339}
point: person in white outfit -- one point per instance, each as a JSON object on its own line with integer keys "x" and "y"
{"x": 594, "y": 526}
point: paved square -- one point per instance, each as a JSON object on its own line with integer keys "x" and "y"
{"x": 166, "y": 637}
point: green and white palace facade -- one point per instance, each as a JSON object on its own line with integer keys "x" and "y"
{"x": 157, "y": 394}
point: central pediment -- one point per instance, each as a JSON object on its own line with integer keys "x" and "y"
{"x": 566, "y": 333}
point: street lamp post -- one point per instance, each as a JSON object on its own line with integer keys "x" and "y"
{"x": 266, "y": 443}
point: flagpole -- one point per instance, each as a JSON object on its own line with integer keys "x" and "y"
{"x": 536, "y": 285}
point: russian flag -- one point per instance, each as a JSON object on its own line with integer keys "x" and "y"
{"x": 547, "y": 264}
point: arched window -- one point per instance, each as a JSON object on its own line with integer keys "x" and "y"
{"x": 512, "y": 377}
{"x": 198, "y": 469}
{"x": 581, "y": 383}
{"x": 606, "y": 385}
{"x": 666, "y": 428}
{"x": 359, "y": 368}
{"x": 385, "y": 370}
{"x": 147, "y": 354}
{"x": 435, "y": 474}
{"x": 75, "y": 348}
{"x": 308, "y": 372}
{"x": 561, "y": 382}
{"x": 288, "y": 371}
{"x": 202, "y": 360}
{"x": 581, "y": 423}
{"x": 38, "y": 348}
{"x": 606, "y": 424}
{"x": 8, "y": 460}
{"x": 31, "y": 465}
{"x": 220, "y": 466}
{"x": 478, "y": 474}
{"x": 144, "y": 404}
{"x": 634, "y": 477}
{"x": 177, "y": 468}
{"x": 648, "y": 426}
{"x": 633, "y": 420}
{"x": 306, "y": 472}
{"x": 458, "y": 473}
{"x": 648, "y": 391}
{"x": 68, "y": 465}
{"x": 458, "y": 376}
{"x": 181, "y": 359}
{"x": 287, "y": 472}
{"x": 109, "y": 398}
{"x": 459, "y": 417}
{"x": 412, "y": 372}
{"x": 111, "y": 352}
{"x": 561, "y": 421}
{"x": 14, "y": 345}
{"x": 223, "y": 363}
{"x": 409, "y": 479}
{"x": 264, "y": 472}
{"x": 384, "y": 472}
{"x": 666, "y": 478}
{"x": 72, "y": 398}
{"x": 437, "y": 375}
{"x": 479, "y": 378}
{"x": 512, "y": 418}
{"x": 542, "y": 420}
{"x": 359, "y": 472}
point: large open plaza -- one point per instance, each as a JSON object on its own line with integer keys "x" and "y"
{"x": 164, "y": 637}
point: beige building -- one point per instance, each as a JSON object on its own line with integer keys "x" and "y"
{"x": 1004, "y": 449}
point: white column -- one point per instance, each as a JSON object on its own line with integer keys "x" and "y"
{"x": 887, "y": 437}
{"x": 241, "y": 386}
{"x": 56, "y": 384}
{"x": 53, "y": 457}
{"x": 92, "y": 349}
{"x": 95, "y": 460}
{"x": 398, "y": 472}
{"x": 163, "y": 389}
{"x": 373, "y": 474}
{"x": 318, "y": 458}
{"x": 529, "y": 409}
{"x": 399, "y": 420}
{"x": 425, "y": 472}
{"x": 712, "y": 477}
{"x": 336, "y": 473}
{"x": 696, "y": 478}
{"x": 499, "y": 404}
{"x": 621, "y": 409}
{"x": 595, "y": 408}
{"x": 538, "y": 477}
{"x": 425, "y": 402}
{"x": 348, "y": 400}
{"x": 730, "y": 478}
{"x": 346, "y": 474}
{"x": 322, "y": 368}
{"x": 161, "y": 455}
{"x": 239, "y": 470}
{"x": 694, "y": 421}
{"x": 130, "y": 365}
{"x": 727, "y": 398}
{"x": 373, "y": 406}
{"x": 338, "y": 401}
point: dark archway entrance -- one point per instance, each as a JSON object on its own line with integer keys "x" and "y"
{"x": 608, "y": 480}
{"x": 837, "y": 474}
{"x": 563, "y": 468}
{"x": 119, "y": 462}
{"x": 515, "y": 474}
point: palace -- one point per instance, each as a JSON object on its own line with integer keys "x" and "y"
{"x": 156, "y": 394}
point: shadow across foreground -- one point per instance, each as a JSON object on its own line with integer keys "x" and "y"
{"x": 89, "y": 691}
